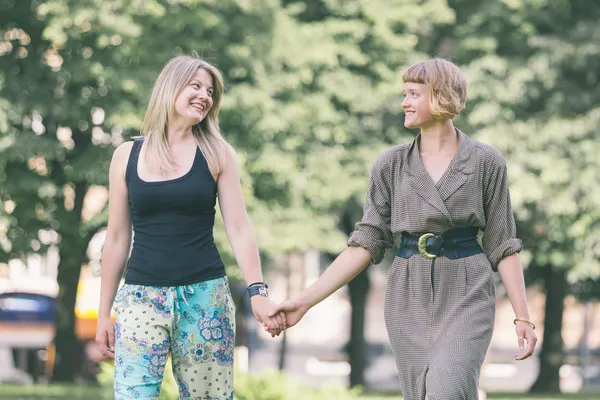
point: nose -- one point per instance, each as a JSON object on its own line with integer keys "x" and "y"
{"x": 203, "y": 94}
{"x": 405, "y": 102}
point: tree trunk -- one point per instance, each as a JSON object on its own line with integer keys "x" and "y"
{"x": 357, "y": 349}
{"x": 282, "y": 353}
{"x": 359, "y": 291}
{"x": 73, "y": 249}
{"x": 68, "y": 349}
{"x": 552, "y": 352}
{"x": 288, "y": 289}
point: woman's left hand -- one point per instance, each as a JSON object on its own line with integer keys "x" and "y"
{"x": 525, "y": 333}
{"x": 261, "y": 306}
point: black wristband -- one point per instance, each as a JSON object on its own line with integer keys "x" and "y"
{"x": 258, "y": 290}
{"x": 257, "y": 284}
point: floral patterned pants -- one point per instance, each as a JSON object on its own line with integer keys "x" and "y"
{"x": 193, "y": 323}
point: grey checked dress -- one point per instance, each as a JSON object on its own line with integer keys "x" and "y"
{"x": 439, "y": 334}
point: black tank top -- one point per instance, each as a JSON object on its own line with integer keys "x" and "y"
{"x": 173, "y": 222}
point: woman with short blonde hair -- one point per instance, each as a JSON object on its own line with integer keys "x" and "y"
{"x": 176, "y": 299}
{"x": 433, "y": 196}
{"x": 446, "y": 86}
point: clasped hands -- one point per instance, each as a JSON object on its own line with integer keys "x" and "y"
{"x": 277, "y": 317}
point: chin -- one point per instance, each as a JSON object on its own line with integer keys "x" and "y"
{"x": 196, "y": 119}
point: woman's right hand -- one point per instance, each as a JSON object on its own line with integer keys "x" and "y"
{"x": 105, "y": 337}
{"x": 294, "y": 311}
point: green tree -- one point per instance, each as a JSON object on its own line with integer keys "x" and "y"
{"x": 45, "y": 180}
{"x": 75, "y": 79}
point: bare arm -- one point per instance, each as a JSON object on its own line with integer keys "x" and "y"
{"x": 118, "y": 234}
{"x": 238, "y": 227}
{"x": 343, "y": 269}
{"x": 367, "y": 243}
{"x": 242, "y": 238}
{"x": 511, "y": 273}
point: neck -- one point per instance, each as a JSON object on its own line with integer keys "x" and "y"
{"x": 178, "y": 132}
{"x": 439, "y": 137}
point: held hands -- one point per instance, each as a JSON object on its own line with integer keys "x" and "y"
{"x": 525, "y": 332}
{"x": 292, "y": 311}
{"x": 266, "y": 313}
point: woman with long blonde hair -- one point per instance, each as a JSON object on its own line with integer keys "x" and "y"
{"x": 176, "y": 298}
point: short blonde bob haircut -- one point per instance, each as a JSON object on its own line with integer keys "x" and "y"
{"x": 447, "y": 86}
{"x": 174, "y": 77}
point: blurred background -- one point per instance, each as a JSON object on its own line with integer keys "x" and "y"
{"x": 313, "y": 93}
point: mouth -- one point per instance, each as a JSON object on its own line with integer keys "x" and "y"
{"x": 197, "y": 106}
{"x": 409, "y": 112}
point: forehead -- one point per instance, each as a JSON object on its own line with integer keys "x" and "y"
{"x": 204, "y": 77}
{"x": 416, "y": 87}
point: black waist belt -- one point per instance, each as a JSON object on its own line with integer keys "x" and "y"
{"x": 457, "y": 243}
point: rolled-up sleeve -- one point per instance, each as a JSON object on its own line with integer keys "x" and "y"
{"x": 373, "y": 232}
{"x": 499, "y": 237}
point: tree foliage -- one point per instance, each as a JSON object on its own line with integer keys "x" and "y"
{"x": 313, "y": 92}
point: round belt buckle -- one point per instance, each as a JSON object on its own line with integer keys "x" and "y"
{"x": 422, "y": 245}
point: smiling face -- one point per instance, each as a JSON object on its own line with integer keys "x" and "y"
{"x": 434, "y": 90}
{"x": 416, "y": 106}
{"x": 196, "y": 98}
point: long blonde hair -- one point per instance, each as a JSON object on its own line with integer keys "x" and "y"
{"x": 176, "y": 74}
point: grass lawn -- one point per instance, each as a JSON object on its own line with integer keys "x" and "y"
{"x": 500, "y": 396}
{"x": 16, "y": 392}
{"x": 13, "y": 392}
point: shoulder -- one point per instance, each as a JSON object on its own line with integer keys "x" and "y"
{"x": 491, "y": 157}
{"x": 228, "y": 154}
{"x": 392, "y": 157}
{"x": 120, "y": 156}
{"x": 123, "y": 151}
{"x": 226, "y": 162}
{"x": 389, "y": 162}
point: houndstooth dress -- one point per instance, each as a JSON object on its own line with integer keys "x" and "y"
{"x": 440, "y": 334}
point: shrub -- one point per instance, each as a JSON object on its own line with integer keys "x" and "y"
{"x": 272, "y": 385}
